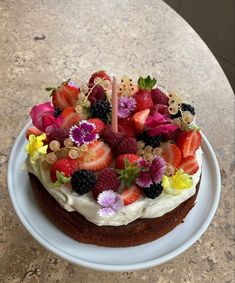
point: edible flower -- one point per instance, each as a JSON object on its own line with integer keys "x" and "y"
{"x": 151, "y": 172}
{"x": 110, "y": 201}
{"x": 83, "y": 133}
{"x": 158, "y": 124}
{"x": 36, "y": 147}
{"x": 126, "y": 105}
{"x": 43, "y": 116}
{"x": 175, "y": 184}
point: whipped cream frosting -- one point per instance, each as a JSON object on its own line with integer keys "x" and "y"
{"x": 88, "y": 207}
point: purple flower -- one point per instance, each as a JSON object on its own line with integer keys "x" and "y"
{"x": 83, "y": 133}
{"x": 152, "y": 172}
{"x": 125, "y": 106}
{"x": 110, "y": 201}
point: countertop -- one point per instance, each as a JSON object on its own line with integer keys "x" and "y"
{"x": 45, "y": 42}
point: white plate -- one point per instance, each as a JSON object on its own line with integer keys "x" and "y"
{"x": 113, "y": 259}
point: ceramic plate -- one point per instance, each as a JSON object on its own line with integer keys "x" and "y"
{"x": 113, "y": 259}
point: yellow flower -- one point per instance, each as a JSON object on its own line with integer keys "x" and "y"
{"x": 35, "y": 147}
{"x": 178, "y": 182}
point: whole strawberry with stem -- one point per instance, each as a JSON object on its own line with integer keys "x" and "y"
{"x": 143, "y": 96}
{"x": 64, "y": 95}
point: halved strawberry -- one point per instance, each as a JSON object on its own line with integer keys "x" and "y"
{"x": 120, "y": 163}
{"x": 189, "y": 142}
{"x": 97, "y": 157}
{"x": 64, "y": 96}
{"x": 130, "y": 195}
{"x": 139, "y": 120}
{"x": 189, "y": 165}
{"x": 67, "y": 166}
{"x": 100, "y": 125}
{"x": 33, "y": 131}
{"x": 171, "y": 153}
{"x": 101, "y": 74}
{"x": 70, "y": 118}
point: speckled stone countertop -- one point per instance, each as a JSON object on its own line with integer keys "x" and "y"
{"x": 45, "y": 42}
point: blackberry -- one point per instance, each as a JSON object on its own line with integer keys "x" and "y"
{"x": 57, "y": 112}
{"x": 188, "y": 107}
{"x": 153, "y": 190}
{"x": 83, "y": 181}
{"x": 148, "y": 140}
{"x": 101, "y": 109}
{"x": 184, "y": 107}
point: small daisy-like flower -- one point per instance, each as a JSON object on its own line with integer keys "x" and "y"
{"x": 152, "y": 172}
{"x": 83, "y": 133}
{"x": 110, "y": 201}
{"x": 125, "y": 106}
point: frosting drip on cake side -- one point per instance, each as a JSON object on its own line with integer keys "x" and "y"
{"x": 143, "y": 208}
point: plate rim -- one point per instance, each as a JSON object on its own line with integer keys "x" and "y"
{"x": 114, "y": 267}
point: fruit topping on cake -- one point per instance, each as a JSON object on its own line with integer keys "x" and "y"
{"x": 151, "y": 151}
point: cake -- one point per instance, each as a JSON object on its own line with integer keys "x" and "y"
{"x": 109, "y": 177}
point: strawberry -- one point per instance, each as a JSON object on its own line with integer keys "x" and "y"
{"x": 171, "y": 153}
{"x": 189, "y": 142}
{"x": 143, "y": 96}
{"x": 64, "y": 96}
{"x": 97, "y": 157}
{"x": 189, "y": 165}
{"x": 159, "y": 97}
{"x": 120, "y": 163}
{"x": 126, "y": 126}
{"x": 70, "y": 117}
{"x": 100, "y": 125}
{"x": 100, "y": 74}
{"x": 130, "y": 195}
{"x": 33, "y": 131}
{"x": 139, "y": 120}
{"x": 67, "y": 166}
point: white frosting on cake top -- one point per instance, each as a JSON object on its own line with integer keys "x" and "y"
{"x": 88, "y": 207}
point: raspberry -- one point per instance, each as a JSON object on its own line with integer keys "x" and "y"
{"x": 127, "y": 127}
{"x": 159, "y": 97}
{"x": 128, "y": 145}
{"x": 108, "y": 179}
{"x": 111, "y": 138}
{"x": 97, "y": 93}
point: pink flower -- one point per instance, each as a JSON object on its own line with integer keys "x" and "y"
{"x": 151, "y": 172}
{"x": 43, "y": 116}
{"x": 158, "y": 124}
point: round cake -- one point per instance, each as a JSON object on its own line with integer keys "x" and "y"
{"x": 112, "y": 158}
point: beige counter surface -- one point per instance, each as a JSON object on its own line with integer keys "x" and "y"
{"x": 45, "y": 42}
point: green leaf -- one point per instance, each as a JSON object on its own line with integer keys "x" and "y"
{"x": 50, "y": 88}
{"x": 146, "y": 83}
{"x": 61, "y": 179}
{"x": 129, "y": 173}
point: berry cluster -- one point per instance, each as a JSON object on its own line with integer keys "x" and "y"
{"x": 156, "y": 139}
